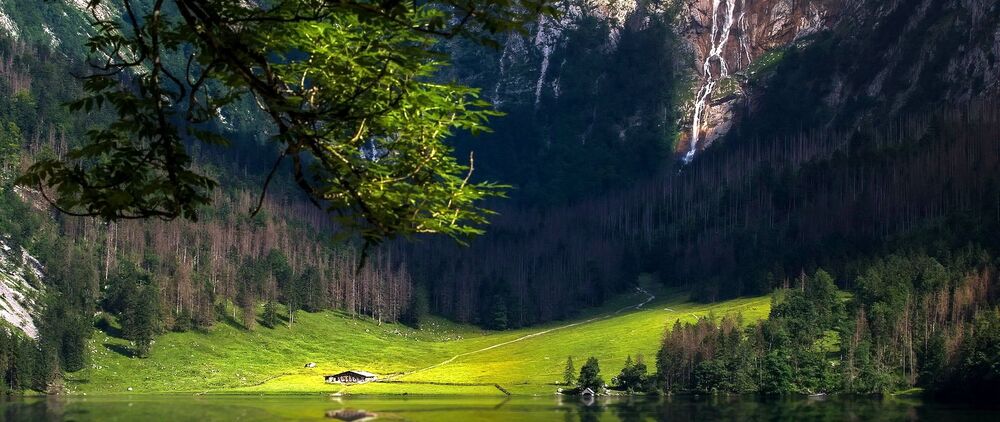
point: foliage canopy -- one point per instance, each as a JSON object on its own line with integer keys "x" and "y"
{"x": 348, "y": 88}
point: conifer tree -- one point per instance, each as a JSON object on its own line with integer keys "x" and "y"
{"x": 140, "y": 320}
{"x": 499, "y": 313}
{"x": 590, "y": 375}
{"x": 569, "y": 375}
{"x": 271, "y": 314}
{"x": 633, "y": 375}
{"x": 10, "y": 147}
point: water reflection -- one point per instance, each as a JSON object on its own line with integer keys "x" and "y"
{"x": 441, "y": 409}
{"x": 690, "y": 409}
{"x": 351, "y": 415}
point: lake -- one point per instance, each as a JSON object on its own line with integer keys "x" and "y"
{"x": 316, "y": 408}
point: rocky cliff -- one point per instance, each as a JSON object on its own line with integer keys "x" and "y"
{"x": 727, "y": 39}
{"x": 20, "y": 284}
{"x": 869, "y": 58}
{"x": 880, "y": 57}
{"x": 777, "y": 66}
{"x": 723, "y": 45}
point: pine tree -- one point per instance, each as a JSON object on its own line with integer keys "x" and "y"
{"x": 641, "y": 372}
{"x": 10, "y": 147}
{"x": 292, "y": 288}
{"x": 271, "y": 314}
{"x": 569, "y": 375}
{"x": 499, "y": 313}
{"x": 140, "y": 320}
{"x": 314, "y": 290}
{"x": 590, "y": 375}
{"x": 627, "y": 379}
{"x": 246, "y": 303}
{"x": 418, "y": 308}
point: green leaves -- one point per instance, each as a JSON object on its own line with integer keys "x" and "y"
{"x": 349, "y": 89}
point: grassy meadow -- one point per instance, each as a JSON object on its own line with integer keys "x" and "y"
{"x": 442, "y": 358}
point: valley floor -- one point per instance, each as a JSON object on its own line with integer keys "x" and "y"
{"x": 443, "y": 358}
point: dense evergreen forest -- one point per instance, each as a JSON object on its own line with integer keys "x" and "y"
{"x": 912, "y": 321}
{"x": 749, "y": 217}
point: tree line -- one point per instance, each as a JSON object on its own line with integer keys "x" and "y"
{"x": 913, "y": 323}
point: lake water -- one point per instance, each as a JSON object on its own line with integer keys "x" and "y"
{"x": 254, "y": 408}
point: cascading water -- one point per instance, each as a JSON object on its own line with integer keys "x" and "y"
{"x": 718, "y": 38}
{"x": 503, "y": 59}
{"x": 546, "y": 52}
{"x": 744, "y": 40}
{"x": 545, "y": 40}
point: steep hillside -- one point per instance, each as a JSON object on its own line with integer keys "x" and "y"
{"x": 807, "y": 84}
{"x": 61, "y": 25}
{"x": 590, "y": 100}
{"x": 743, "y": 64}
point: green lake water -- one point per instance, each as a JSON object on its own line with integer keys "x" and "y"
{"x": 446, "y": 409}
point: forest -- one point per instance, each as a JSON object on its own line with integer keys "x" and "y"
{"x": 912, "y": 322}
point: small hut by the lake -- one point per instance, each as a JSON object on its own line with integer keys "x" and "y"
{"x": 350, "y": 377}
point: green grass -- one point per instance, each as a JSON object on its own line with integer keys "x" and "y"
{"x": 765, "y": 63}
{"x": 726, "y": 86}
{"x": 229, "y": 359}
{"x": 909, "y": 392}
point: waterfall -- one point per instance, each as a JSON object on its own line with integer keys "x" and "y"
{"x": 546, "y": 52}
{"x": 744, "y": 41}
{"x": 503, "y": 58}
{"x": 718, "y": 38}
{"x": 545, "y": 39}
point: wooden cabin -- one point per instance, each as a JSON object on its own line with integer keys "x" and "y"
{"x": 350, "y": 377}
{"x": 587, "y": 392}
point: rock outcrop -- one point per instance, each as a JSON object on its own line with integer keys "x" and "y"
{"x": 20, "y": 276}
{"x": 879, "y": 59}
{"x": 726, "y": 39}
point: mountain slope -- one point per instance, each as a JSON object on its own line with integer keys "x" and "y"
{"x": 820, "y": 100}
{"x": 872, "y": 61}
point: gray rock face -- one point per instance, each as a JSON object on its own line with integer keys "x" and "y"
{"x": 889, "y": 57}
{"x": 726, "y": 38}
{"x": 19, "y": 288}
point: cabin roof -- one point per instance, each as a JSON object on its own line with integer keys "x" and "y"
{"x": 361, "y": 373}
